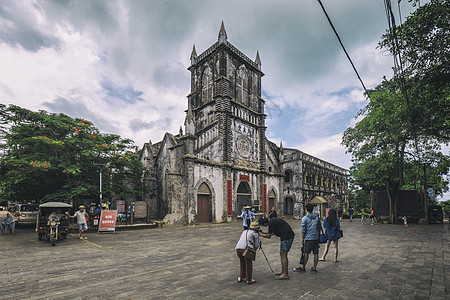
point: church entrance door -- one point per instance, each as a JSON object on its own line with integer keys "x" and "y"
{"x": 289, "y": 206}
{"x": 203, "y": 208}
{"x": 243, "y": 196}
{"x": 203, "y": 204}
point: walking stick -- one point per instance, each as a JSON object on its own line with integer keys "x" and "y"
{"x": 260, "y": 247}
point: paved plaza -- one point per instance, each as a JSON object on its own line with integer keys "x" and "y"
{"x": 199, "y": 262}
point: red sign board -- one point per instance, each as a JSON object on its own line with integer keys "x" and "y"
{"x": 229, "y": 198}
{"x": 107, "y": 220}
{"x": 244, "y": 178}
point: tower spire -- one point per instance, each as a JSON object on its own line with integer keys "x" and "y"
{"x": 258, "y": 60}
{"x": 222, "y": 34}
{"x": 193, "y": 55}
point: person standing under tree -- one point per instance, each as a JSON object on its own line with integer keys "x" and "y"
{"x": 350, "y": 214}
{"x": 82, "y": 218}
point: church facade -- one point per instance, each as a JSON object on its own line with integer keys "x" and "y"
{"x": 223, "y": 160}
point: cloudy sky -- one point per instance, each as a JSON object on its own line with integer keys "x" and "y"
{"x": 123, "y": 63}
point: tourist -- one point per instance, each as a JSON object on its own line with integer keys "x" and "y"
{"x": 247, "y": 216}
{"x": 350, "y": 214}
{"x": 82, "y": 218}
{"x": 405, "y": 221}
{"x": 273, "y": 213}
{"x": 311, "y": 227}
{"x": 372, "y": 216}
{"x": 363, "y": 216}
{"x": 248, "y": 238}
{"x": 332, "y": 226}
{"x": 282, "y": 229}
{"x": 340, "y": 213}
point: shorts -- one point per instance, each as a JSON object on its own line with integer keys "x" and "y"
{"x": 311, "y": 245}
{"x": 82, "y": 227}
{"x": 286, "y": 245}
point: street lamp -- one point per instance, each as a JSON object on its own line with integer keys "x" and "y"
{"x": 101, "y": 195}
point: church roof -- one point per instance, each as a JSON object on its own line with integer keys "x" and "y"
{"x": 222, "y": 41}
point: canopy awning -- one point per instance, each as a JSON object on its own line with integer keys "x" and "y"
{"x": 318, "y": 200}
{"x": 55, "y": 204}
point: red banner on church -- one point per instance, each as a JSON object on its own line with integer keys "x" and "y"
{"x": 244, "y": 178}
{"x": 229, "y": 198}
{"x": 264, "y": 198}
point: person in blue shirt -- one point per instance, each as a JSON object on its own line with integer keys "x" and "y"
{"x": 332, "y": 226}
{"x": 247, "y": 216}
{"x": 311, "y": 227}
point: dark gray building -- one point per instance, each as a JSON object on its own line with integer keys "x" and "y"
{"x": 223, "y": 160}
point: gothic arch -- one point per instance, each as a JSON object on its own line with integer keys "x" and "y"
{"x": 201, "y": 188}
{"x": 207, "y": 85}
{"x": 271, "y": 198}
{"x": 243, "y": 192}
{"x": 242, "y": 85}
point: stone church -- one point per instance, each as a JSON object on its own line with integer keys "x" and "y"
{"x": 223, "y": 160}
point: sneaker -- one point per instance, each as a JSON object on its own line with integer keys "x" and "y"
{"x": 299, "y": 269}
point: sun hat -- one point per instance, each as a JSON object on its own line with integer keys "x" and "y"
{"x": 247, "y": 206}
{"x": 254, "y": 226}
{"x": 81, "y": 206}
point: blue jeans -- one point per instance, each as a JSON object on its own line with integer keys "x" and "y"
{"x": 82, "y": 227}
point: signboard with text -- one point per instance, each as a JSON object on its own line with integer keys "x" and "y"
{"x": 108, "y": 221}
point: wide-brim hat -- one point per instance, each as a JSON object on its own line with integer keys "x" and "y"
{"x": 247, "y": 206}
{"x": 254, "y": 226}
{"x": 81, "y": 206}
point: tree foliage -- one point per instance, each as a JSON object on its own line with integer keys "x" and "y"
{"x": 406, "y": 120}
{"x": 53, "y": 157}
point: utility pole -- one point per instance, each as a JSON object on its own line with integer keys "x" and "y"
{"x": 425, "y": 183}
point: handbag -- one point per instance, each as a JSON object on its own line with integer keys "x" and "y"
{"x": 341, "y": 232}
{"x": 322, "y": 237}
{"x": 249, "y": 253}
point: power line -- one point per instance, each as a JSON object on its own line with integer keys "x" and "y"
{"x": 342, "y": 45}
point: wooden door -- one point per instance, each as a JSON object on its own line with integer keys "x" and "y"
{"x": 203, "y": 209}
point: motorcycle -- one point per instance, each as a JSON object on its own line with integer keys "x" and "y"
{"x": 52, "y": 222}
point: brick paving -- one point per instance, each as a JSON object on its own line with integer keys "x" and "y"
{"x": 199, "y": 262}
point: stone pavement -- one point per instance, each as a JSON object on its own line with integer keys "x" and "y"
{"x": 199, "y": 262}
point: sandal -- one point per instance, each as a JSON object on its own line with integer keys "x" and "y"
{"x": 299, "y": 269}
{"x": 251, "y": 281}
{"x": 278, "y": 274}
{"x": 321, "y": 259}
{"x": 239, "y": 279}
{"x": 281, "y": 277}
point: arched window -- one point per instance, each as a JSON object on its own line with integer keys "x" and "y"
{"x": 242, "y": 85}
{"x": 288, "y": 176}
{"x": 207, "y": 85}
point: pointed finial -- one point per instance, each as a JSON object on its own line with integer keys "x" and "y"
{"x": 222, "y": 34}
{"x": 189, "y": 121}
{"x": 258, "y": 60}
{"x": 281, "y": 146}
{"x": 181, "y": 131}
{"x": 193, "y": 55}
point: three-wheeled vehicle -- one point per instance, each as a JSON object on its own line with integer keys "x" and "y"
{"x": 52, "y": 222}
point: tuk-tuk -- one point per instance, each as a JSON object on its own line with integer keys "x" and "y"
{"x": 53, "y": 221}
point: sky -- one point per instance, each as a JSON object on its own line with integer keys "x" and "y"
{"x": 122, "y": 64}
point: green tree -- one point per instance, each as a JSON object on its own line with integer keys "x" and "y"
{"x": 55, "y": 157}
{"x": 406, "y": 119}
{"x": 423, "y": 43}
